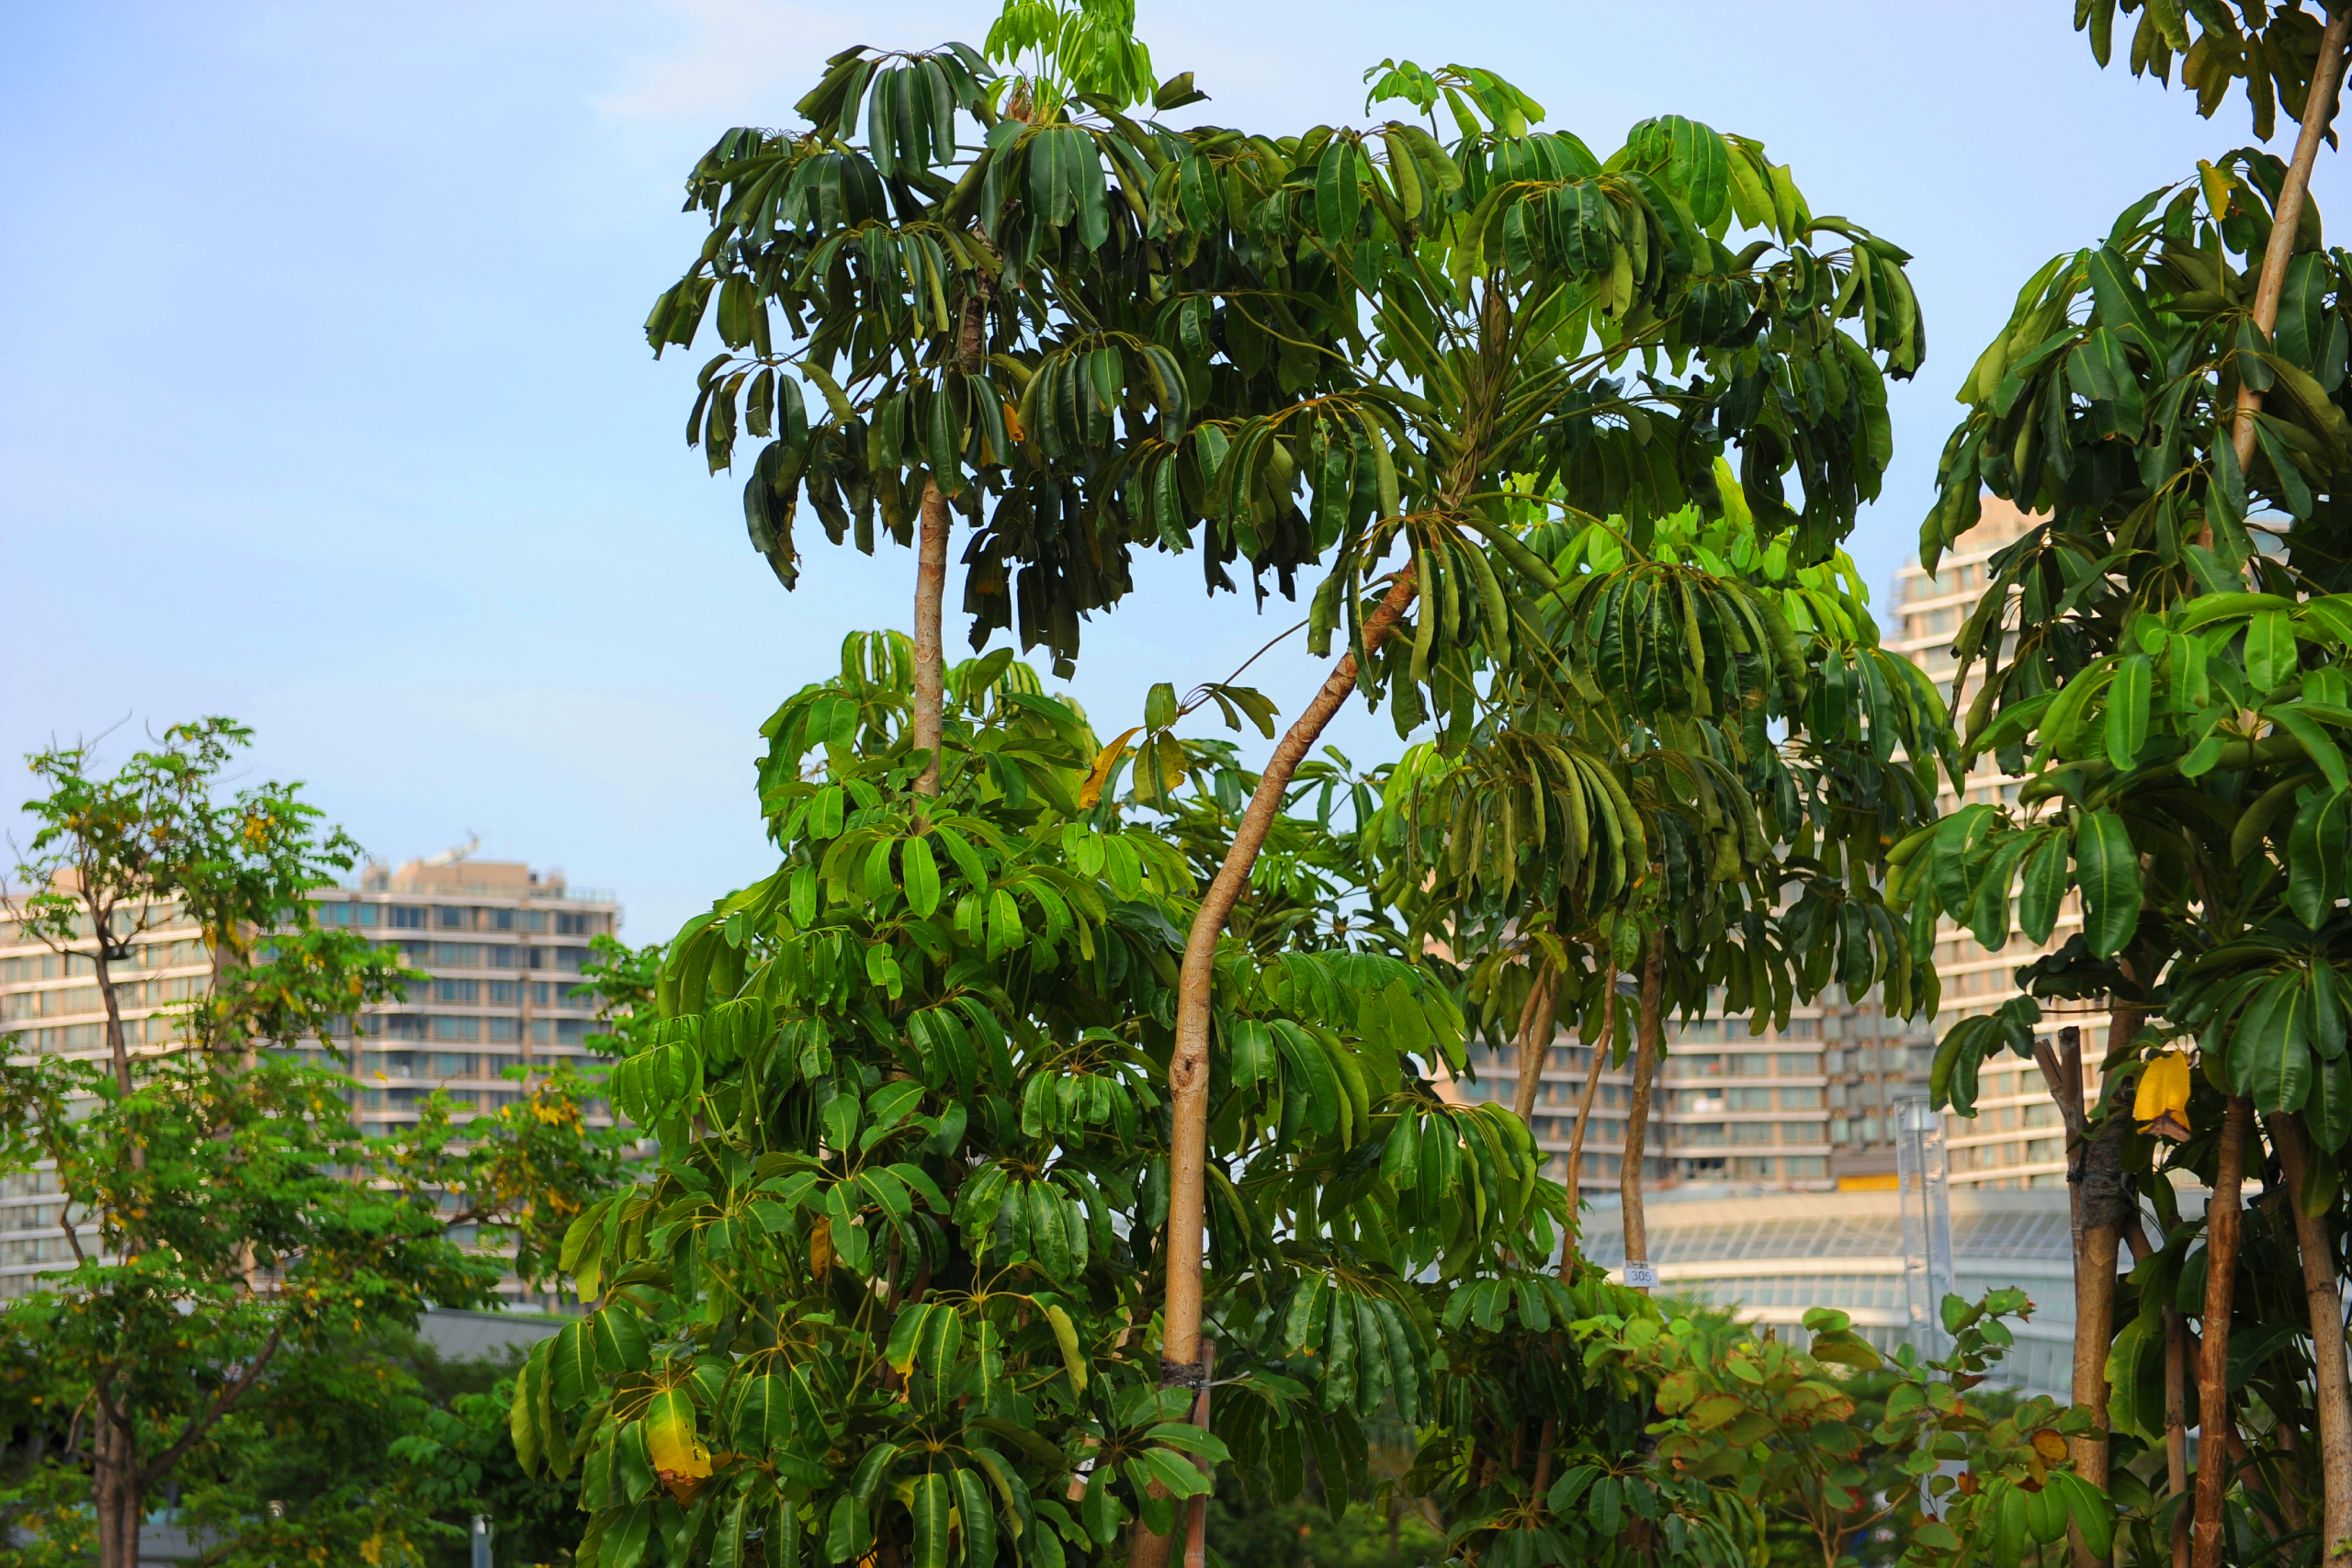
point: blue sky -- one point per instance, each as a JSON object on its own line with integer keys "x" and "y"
{"x": 324, "y": 402}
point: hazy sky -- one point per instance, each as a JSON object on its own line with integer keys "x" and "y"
{"x": 323, "y": 402}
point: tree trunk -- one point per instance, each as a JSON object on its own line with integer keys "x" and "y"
{"x": 114, "y": 1490}
{"x": 1637, "y": 1117}
{"x": 1188, "y": 1066}
{"x": 931, "y": 662}
{"x": 2176, "y": 1430}
{"x": 2319, "y": 108}
{"x": 1196, "y": 1511}
{"x": 102, "y": 964}
{"x": 2224, "y": 1224}
{"x": 1600, "y": 1053}
{"x": 2103, "y": 1206}
{"x": 1537, "y": 1021}
{"x": 2332, "y": 1391}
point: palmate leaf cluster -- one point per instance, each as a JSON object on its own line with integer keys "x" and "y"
{"x": 896, "y": 1267}
{"x": 1094, "y": 335}
{"x": 1729, "y": 755}
{"x": 2168, "y": 674}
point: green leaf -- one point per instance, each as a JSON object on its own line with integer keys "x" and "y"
{"x": 2107, "y": 870}
{"x": 929, "y": 1504}
{"x": 523, "y": 1414}
{"x": 2270, "y": 649}
{"x": 920, "y": 872}
{"x": 571, "y": 1364}
{"x": 621, "y": 1344}
{"x": 2271, "y": 1050}
{"x": 2127, "y": 711}
{"x": 2093, "y": 1515}
{"x": 1066, "y": 1335}
{"x": 847, "y": 1533}
{"x": 2044, "y": 888}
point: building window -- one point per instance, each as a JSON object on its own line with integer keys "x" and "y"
{"x": 452, "y": 1065}
{"x": 504, "y": 1029}
{"x": 407, "y": 918}
{"x": 578, "y": 925}
{"x": 456, "y": 1028}
{"x": 495, "y": 956}
{"x": 497, "y": 919}
{"x": 1749, "y": 1098}
{"x": 506, "y": 993}
{"x": 457, "y": 955}
{"x": 1751, "y": 1132}
{"x": 452, "y": 919}
{"x": 457, "y": 990}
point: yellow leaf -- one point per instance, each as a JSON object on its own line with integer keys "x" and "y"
{"x": 2161, "y": 1105}
{"x": 673, "y": 1445}
{"x": 1092, "y": 791}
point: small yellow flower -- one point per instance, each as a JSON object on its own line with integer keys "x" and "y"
{"x": 2162, "y": 1104}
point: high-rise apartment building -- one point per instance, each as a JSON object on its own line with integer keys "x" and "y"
{"x": 2015, "y": 1139}
{"x": 501, "y": 948}
{"x": 1810, "y": 1108}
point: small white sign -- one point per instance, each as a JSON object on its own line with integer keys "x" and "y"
{"x": 1642, "y": 1276}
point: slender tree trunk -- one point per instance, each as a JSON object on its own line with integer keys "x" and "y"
{"x": 102, "y": 964}
{"x": 1637, "y": 1118}
{"x": 1601, "y": 1049}
{"x": 2224, "y": 1224}
{"x": 931, "y": 660}
{"x": 2176, "y": 1430}
{"x": 1196, "y": 1511}
{"x": 2332, "y": 1388}
{"x": 2319, "y": 108}
{"x": 1188, "y": 1066}
{"x": 1536, "y": 1022}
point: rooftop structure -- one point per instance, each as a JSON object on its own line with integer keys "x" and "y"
{"x": 1770, "y": 1257}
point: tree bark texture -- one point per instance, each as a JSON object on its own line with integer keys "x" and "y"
{"x": 115, "y": 1488}
{"x": 1537, "y": 1021}
{"x": 1196, "y": 1510}
{"x": 2103, "y": 1208}
{"x": 2332, "y": 1389}
{"x": 931, "y": 658}
{"x": 2223, "y": 1225}
{"x": 1637, "y": 1117}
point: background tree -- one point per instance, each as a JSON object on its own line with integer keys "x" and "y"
{"x": 1618, "y": 804}
{"x": 252, "y": 1250}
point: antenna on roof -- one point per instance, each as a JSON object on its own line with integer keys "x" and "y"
{"x": 452, "y": 855}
